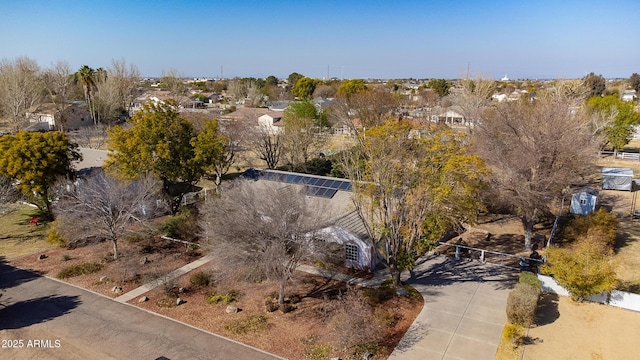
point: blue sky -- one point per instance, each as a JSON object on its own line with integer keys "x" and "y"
{"x": 345, "y": 39}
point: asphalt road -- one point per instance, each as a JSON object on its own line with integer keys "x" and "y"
{"x": 41, "y": 318}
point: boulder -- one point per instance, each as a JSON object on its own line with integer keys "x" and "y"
{"x": 402, "y": 292}
{"x": 117, "y": 289}
{"x": 103, "y": 279}
{"x": 179, "y": 301}
{"x": 144, "y": 260}
{"x": 42, "y": 256}
{"x": 143, "y": 299}
{"x": 231, "y": 309}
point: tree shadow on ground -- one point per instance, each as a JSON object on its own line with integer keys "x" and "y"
{"x": 628, "y": 233}
{"x": 414, "y": 335}
{"x": 35, "y": 311}
{"x": 13, "y": 276}
{"x": 324, "y": 288}
{"x": 547, "y": 311}
{"x": 450, "y": 271}
{"x": 528, "y": 340}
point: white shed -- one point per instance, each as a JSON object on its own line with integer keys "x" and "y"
{"x": 583, "y": 201}
{"x": 617, "y": 179}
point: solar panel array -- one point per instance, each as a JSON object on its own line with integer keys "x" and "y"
{"x": 314, "y": 186}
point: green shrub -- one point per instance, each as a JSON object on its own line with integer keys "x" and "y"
{"x": 133, "y": 238}
{"x": 529, "y": 278}
{"x": 169, "y": 301}
{"x": 583, "y": 270}
{"x": 270, "y": 304}
{"x": 54, "y": 238}
{"x": 66, "y": 257}
{"x": 226, "y": 298}
{"x": 79, "y": 269}
{"x": 600, "y": 222}
{"x": 514, "y": 334}
{"x": 294, "y": 299}
{"x": 287, "y": 307}
{"x": 252, "y": 323}
{"x": 317, "y": 351}
{"x": 376, "y": 296}
{"x": 201, "y": 279}
{"x": 522, "y": 304}
{"x": 183, "y": 225}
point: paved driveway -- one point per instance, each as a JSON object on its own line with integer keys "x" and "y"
{"x": 71, "y": 323}
{"x": 464, "y": 311}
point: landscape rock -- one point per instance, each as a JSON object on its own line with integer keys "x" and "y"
{"x": 144, "y": 260}
{"x": 179, "y": 301}
{"x": 143, "y": 299}
{"x": 117, "y": 289}
{"x": 103, "y": 279}
{"x": 402, "y": 292}
{"x": 231, "y": 309}
{"x": 42, "y": 256}
{"x": 181, "y": 290}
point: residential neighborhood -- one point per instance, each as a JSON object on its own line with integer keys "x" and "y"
{"x": 319, "y": 181}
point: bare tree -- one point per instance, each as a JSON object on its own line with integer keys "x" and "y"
{"x": 364, "y": 109}
{"x": 93, "y": 137}
{"x": 266, "y": 144}
{"x": 237, "y": 90}
{"x": 353, "y": 322}
{"x": 535, "y": 149}
{"x": 20, "y": 88}
{"x": 303, "y": 135}
{"x": 103, "y": 207}
{"x": 473, "y": 98}
{"x": 58, "y": 82}
{"x": 272, "y": 230}
{"x": 172, "y": 82}
{"x": 8, "y": 192}
{"x": 115, "y": 93}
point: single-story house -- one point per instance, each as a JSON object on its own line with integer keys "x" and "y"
{"x": 584, "y": 201}
{"x": 271, "y": 121}
{"x": 617, "y": 179}
{"x": 334, "y": 195}
{"x": 49, "y": 117}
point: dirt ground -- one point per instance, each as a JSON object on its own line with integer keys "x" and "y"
{"x": 138, "y": 263}
{"x": 288, "y": 334}
{"x": 569, "y": 330}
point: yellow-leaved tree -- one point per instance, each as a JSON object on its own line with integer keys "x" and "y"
{"x": 34, "y": 161}
{"x": 411, "y": 186}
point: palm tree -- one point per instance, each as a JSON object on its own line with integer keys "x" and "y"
{"x": 86, "y": 77}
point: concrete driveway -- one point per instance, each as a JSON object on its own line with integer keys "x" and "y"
{"x": 72, "y": 323}
{"x": 464, "y": 311}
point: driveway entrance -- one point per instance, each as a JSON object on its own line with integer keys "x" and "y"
{"x": 464, "y": 311}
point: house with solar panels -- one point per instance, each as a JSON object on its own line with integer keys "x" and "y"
{"x": 346, "y": 227}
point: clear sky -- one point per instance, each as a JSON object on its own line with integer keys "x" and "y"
{"x": 345, "y": 39}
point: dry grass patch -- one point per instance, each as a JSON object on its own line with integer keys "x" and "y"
{"x": 17, "y": 237}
